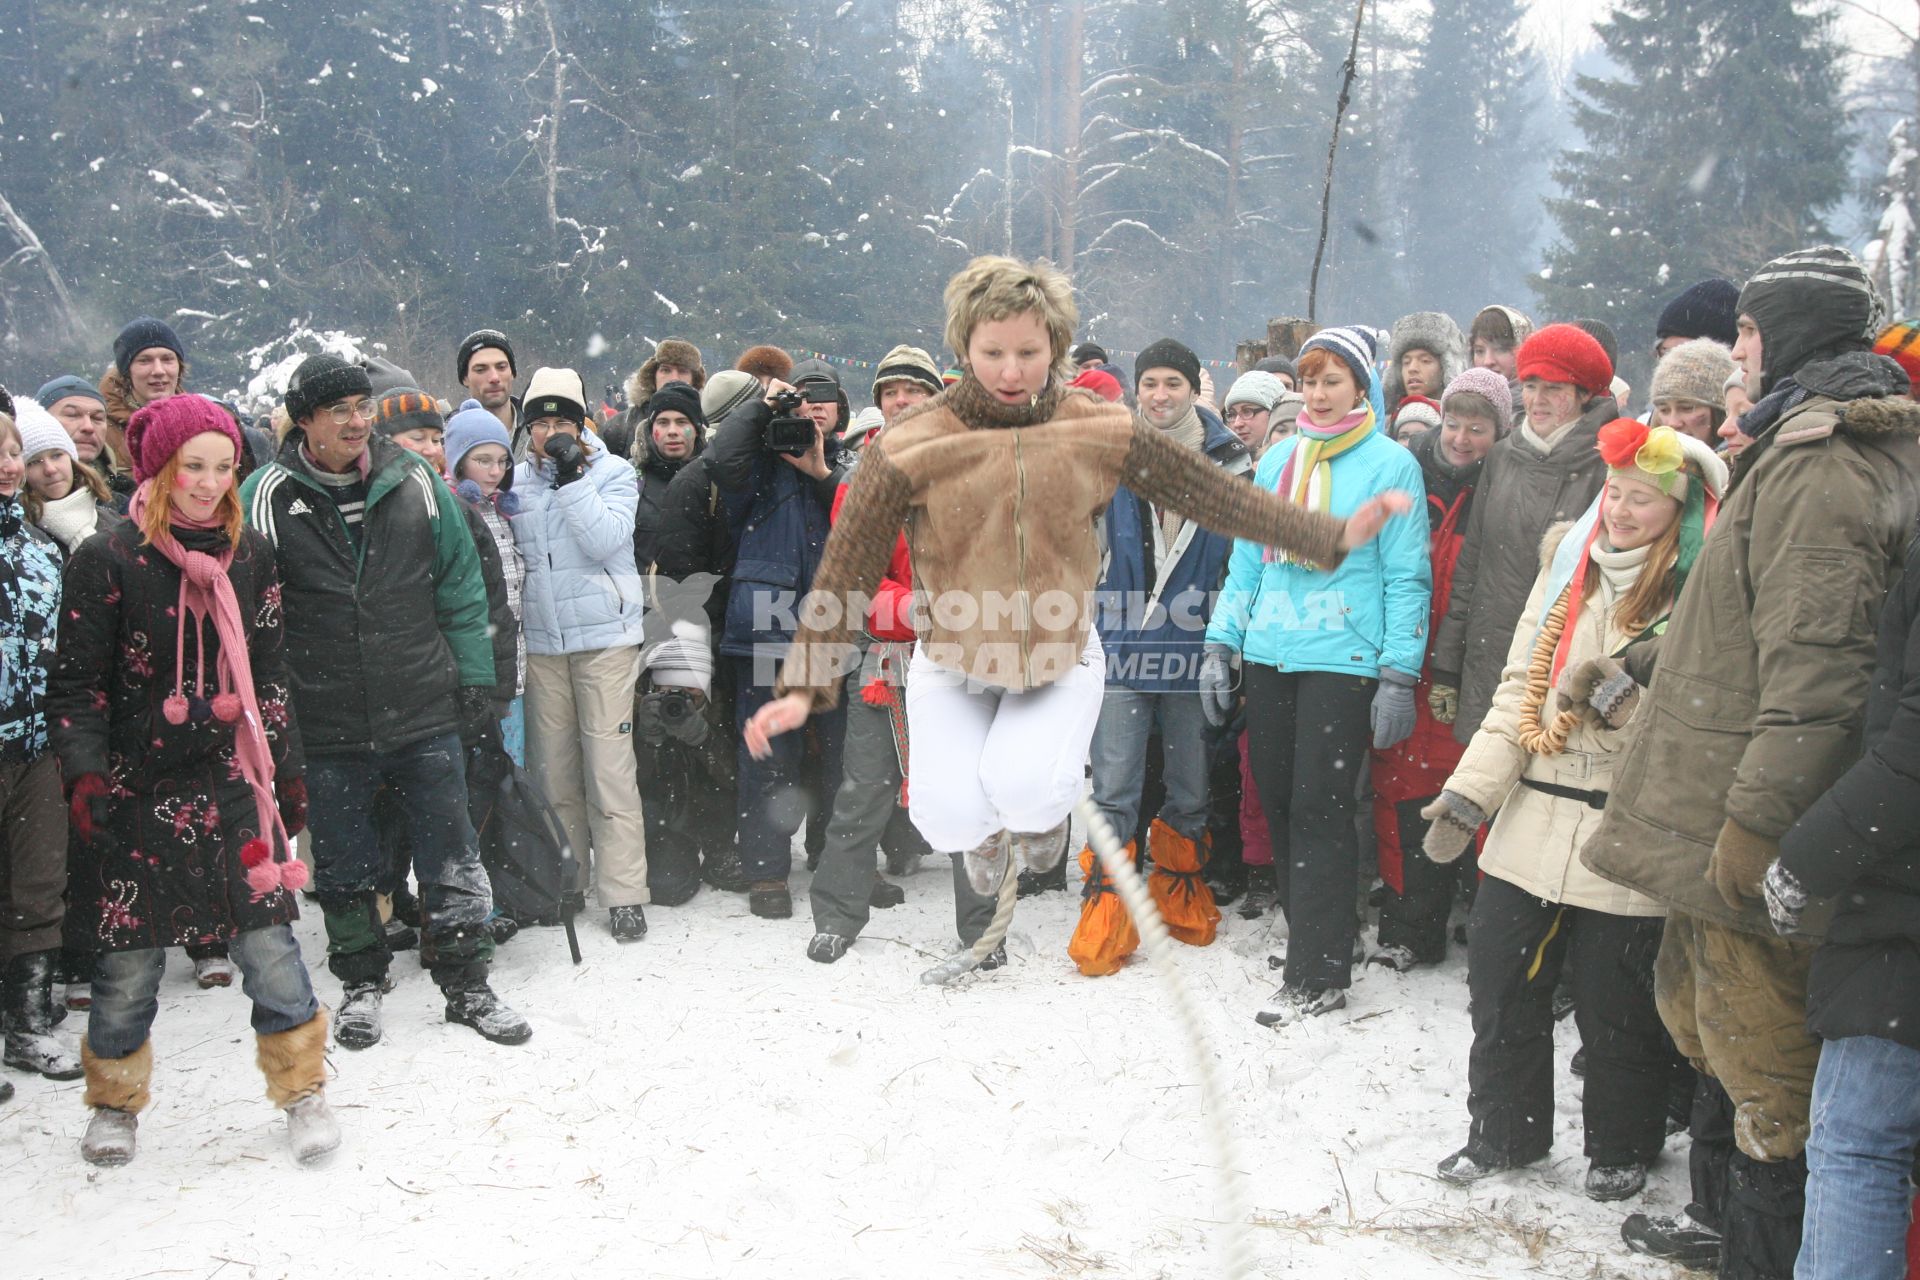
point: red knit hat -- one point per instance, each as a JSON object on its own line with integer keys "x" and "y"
{"x": 1900, "y": 342}
{"x": 1101, "y": 383}
{"x": 157, "y": 431}
{"x": 1566, "y": 353}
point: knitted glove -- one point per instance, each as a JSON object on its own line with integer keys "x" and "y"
{"x": 1453, "y": 820}
{"x": 1739, "y": 864}
{"x": 291, "y": 795}
{"x": 1604, "y": 685}
{"x": 1443, "y": 698}
{"x": 1393, "y": 714}
{"x": 569, "y": 459}
{"x": 1218, "y": 687}
{"x": 87, "y": 804}
{"x": 1786, "y": 898}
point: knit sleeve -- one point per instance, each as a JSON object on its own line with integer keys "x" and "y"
{"x": 1168, "y": 475}
{"x": 856, "y": 556}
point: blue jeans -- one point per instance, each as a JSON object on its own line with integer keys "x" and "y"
{"x": 1866, "y": 1126}
{"x": 126, "y": 990}
{"x": 1127, "y": 720}
{"x": 429, "y": 778}
{"x": 772, "y": 801}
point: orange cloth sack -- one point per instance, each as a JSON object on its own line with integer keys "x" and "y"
{"x": 1105, "y": 936}
{"x": 1185, "y": 901}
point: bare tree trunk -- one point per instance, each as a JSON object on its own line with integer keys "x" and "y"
{"x": 1047, "y": 132}
{"x": 1075, "y": 53}
{"x": 1333, "y": 145}
{"x": 1224, "y": 257}
{"x": 550, "y": 143}
{"x": 30, "y": 247}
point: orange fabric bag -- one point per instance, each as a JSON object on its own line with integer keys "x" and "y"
{"x": 1105, "y": 936}
{"x": 1185, "y": 901}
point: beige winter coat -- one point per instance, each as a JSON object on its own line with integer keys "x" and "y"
{"x": 1536, "y": 838}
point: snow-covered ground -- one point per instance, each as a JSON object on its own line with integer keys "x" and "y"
{"x": 707, "y": 1103}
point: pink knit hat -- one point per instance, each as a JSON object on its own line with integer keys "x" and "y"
{"x": 1491, "y": 387}
{"x": 157, "y": 431}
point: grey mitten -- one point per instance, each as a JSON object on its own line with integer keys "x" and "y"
{"x": 1453, "y": 821}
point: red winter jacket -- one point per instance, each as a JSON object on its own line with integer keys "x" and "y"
{"x": 891, "y": 616}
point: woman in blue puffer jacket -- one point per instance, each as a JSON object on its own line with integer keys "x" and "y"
{"x": 1330, "y": 659}
{"x": 581, "y": 608}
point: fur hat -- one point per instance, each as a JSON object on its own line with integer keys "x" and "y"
{"x": 1710, "y": 309}
{"x": 40, "y": 432}
{"x": 1811, "y": 305}
{"x": 1414, "y": 409}
{"x": 157, "y": 431}
{"x": 470, "y": 427}
{"x": 1502, "y": 326}
{"x": 65, "y": 387}
{"x": 1695, "y": 371}
{"x": 1255, "y": 387}
{"x": 321, "y": 380}
{"x": 670, "y": 351}
{"x": 407, "y": 409}
{"x": 1489, "y": 386}
{"x": 1428, "y": 331}
{"x": 1102, "y": 384}
{"x": 1354, "y": 344}
{"x": 908, "y": 364}
{"x": 1168, "y": 354}
{"x": 765, "y": 363}
{"x": 1566, "y": 353}
{"x": 144, "y": 334}
{"x": 727, "y": 391}
{"x": 479, "y": 340}
{"x": 555, "y": 393}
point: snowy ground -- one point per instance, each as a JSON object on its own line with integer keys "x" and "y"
{"x": 707, "y": 1103}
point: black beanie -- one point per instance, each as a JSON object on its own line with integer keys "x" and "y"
{"x": 679, "y": 397}
{"x": 1602, "y": 333}
{"x": 1168, "y": 354}
{"x": 320, "y": 380}
{"x": 1088, "y": 351}
{"x": 478, "y": 340}
{"x": 1710, "y": 309}
{"x": 407, "y": 409}
{"x": 144, "y": 334}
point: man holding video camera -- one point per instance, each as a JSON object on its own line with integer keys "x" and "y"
{"x": 777, "y": 464}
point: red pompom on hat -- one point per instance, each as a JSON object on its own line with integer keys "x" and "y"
{"x": 1566, "y": 353}
{"x": 158, "y": 430}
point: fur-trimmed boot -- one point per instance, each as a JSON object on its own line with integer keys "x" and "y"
{"x": 117, "y": 1092}
{"x": 295, "y": 1065}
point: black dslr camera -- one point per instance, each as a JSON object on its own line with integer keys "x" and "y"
{"x": 789, "y": 431}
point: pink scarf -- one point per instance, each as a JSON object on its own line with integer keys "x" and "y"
{"x": 206, "y": 591}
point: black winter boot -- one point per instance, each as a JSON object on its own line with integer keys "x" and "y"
{"x": 1766, "y": 1201}
{"x": 474, "y": 1004}
{"x": 28, "y": 1006}
{"x": 1681, "y": 1239}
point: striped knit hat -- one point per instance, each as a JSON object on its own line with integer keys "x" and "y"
{"x": 1812, "y": 304}
{"x": 1352, "y": 344}
{"x": 1900, "y": 343}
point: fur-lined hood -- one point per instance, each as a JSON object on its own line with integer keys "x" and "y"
{"x": 677, "y": 351}
{"x": 1427, "y": 331}
{"x": 1880, "y": 418}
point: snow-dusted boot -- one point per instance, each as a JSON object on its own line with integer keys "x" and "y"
{"x": 1042, "y": 850}
{"x": 1293, "y": 1003}
{"x": 295, "y": 1065}
{"x": 117, "y": 1092}
{"x": 213, "y": 971}
{"x": 474, "y": 1004}
{"x": 357, "y": 1023}
{"x": 312, "y": 1132}
{"x": 986, "y": 863}
{"x": 28, "y": 1004}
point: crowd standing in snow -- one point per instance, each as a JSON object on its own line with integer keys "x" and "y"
{"x": 1638, "y": 697}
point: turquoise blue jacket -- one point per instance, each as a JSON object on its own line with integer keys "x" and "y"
{"x": 1369, "y": 613}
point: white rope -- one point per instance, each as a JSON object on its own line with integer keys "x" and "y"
{"x": 996, "y": 932}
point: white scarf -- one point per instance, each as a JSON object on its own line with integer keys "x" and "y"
{"x": 1619, "y": 570}
{"x": 71, "y": 520}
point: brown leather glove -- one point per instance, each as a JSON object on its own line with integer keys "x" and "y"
{"x": 1739, "y": 864}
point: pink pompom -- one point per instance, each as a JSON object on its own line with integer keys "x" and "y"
{"x": 254, "y": 853}
{"x": 263, "y": 880}
{"x": 226, "y": 707}
{"x": 293, "y": 875}
{"x": 175, "y": 708}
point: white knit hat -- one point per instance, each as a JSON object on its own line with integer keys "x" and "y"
{"x": 40, "y": 431}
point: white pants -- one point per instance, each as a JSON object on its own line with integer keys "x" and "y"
{"x": 984, "y": 760}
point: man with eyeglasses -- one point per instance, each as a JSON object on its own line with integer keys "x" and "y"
{"x": 386, "y": 635}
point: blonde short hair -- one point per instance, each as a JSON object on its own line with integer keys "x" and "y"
{"x": 994, "y": 288}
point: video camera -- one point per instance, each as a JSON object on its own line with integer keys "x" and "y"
{"x": 790, "y": 431}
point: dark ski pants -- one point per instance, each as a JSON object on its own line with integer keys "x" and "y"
{"x": 1518, "y": 946}
{"x": 774, "y": 799}
{"x": 1307, "y": 741}
{"x": 1416, "y": 917}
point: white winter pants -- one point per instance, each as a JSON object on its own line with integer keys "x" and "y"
{"x": 984, "y": 760}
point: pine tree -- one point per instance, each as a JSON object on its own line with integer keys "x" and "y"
{"x": 1720, "y": 145}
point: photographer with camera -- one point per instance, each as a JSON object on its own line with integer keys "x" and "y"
{"x": 778, "y": 465}
{"x": 582, "y": 609}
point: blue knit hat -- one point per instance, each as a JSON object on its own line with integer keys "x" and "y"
{"x": 1353, "y": 345}
{"x": 470, "y": 427}
{"x": 144, "y": 334}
